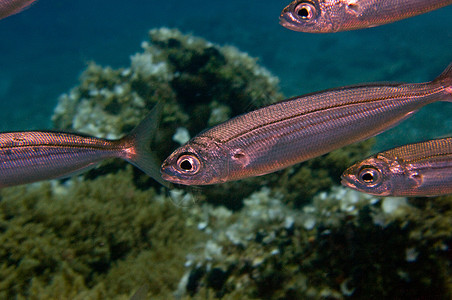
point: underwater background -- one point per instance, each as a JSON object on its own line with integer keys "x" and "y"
{"x": 45, "y": 48}
{"x": 291, "y": 235}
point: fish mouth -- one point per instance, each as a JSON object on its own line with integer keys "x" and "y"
{"x": 287, "y": 20}
{"x": 170, "y": 174}
{"x": 172, "y": 179}
{"x": 167, "y": 174}
{"x": 347, "y": 182}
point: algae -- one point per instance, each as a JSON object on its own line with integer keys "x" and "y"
{"x": 92, "y": 239}
{"x": 272, "y": 252}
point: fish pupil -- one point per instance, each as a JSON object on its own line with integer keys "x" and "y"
{"x": 303, "y": 12}
{"x": 186, "y": 165}
{"x": 367, "y": 177}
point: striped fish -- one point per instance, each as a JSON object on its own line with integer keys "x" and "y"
{"x": 11, "y": 7}
{"x": 30, "y": 156}
{"x": 323, "y": 16}
{"x": 416, "y": 170}
{"x": 285, "y": 133}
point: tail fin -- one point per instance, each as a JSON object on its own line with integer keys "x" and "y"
{"x": 140, "y": 137}
{"x": 445, "y": 80}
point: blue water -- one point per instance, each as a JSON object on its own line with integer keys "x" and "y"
{"x": 44, "y": 49}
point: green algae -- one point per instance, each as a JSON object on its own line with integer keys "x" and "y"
{"x": 101, "y": 237}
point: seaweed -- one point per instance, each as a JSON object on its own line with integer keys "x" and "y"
{"x": 96, "y": 237}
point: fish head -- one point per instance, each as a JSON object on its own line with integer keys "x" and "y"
{"x": 306, "y": 16}
{"x": 199, "y": 162}
{"x": 372, "y": 176}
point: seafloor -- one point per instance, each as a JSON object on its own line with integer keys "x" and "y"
{"x": 294, "y": 234}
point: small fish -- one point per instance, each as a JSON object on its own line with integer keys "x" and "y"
{"x": 415, "y": 170}
{"x": 11, "y": 7}
{"x": 322, "y": 16}
{"x": 30, "y": 156}
{"x": 294, "y": 130}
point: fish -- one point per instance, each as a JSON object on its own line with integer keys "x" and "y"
{"x": 415, "y": 170}
{"x": 11, "y": 7}
{"x": 30, "y": 156}
{"x": 325, "y": 16}
{"x": 274, "y": 137}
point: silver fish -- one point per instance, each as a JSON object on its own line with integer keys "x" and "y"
{"x": 280, "y": 135}
{"x": 11, "y": 7}
{"x": 322, "y": 16}
{"x": 30, "y": 156}
{"x": 419, "y": 170}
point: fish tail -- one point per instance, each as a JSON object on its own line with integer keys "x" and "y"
{"x": 445, "y": 80}
{"x": 138, "y": 150}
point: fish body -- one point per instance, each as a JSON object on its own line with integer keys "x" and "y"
{"x": 30, "y": 156}
{"x": 417, "y": 170}
{"x": 323, "y": 16}
{"x": 294, "y": 130}
{"x": 10, "y": 7}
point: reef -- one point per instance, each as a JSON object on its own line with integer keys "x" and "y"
{"x": 199, "y": 84}
{"x": 92, "y": 239}
{"x": 293, "y": 234}
{"x": 343, "y": 245}
{"x": 104, "y": 238}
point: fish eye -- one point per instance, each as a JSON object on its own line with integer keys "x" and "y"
{"x": 369, "y": 175}
{"x": 305, "y": 11}
{"x": 189, "y": 163}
